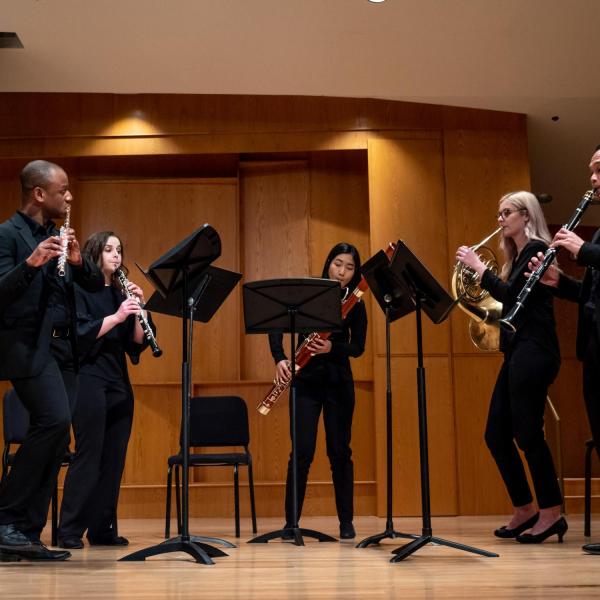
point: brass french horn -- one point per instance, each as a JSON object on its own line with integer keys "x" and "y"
{"x": 484, "y": 311}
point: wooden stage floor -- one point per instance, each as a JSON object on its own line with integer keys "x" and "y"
{"x": 281, "y": 570}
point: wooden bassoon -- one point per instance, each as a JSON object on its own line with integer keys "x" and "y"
{"x": 303, "y": 354}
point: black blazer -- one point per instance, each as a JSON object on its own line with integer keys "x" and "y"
{"x": 579, "y": 290}
{"x": 25, "y": 320}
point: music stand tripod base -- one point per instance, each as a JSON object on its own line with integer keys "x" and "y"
{"x": 297, "y": 535}
{"x": 389, "y": 533}
{"x": 203, "y": 539}
{"x": 406, "y": 550}
{"x": 201, "y": 553}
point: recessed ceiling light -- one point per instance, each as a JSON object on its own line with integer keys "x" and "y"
{"x": 9, "y": 39}
{"x": 376, "y": 1}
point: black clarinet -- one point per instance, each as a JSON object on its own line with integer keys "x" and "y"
{"x": 148, "y": 333}
{"x": 507, "y": 321}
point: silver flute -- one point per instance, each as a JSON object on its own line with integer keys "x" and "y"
{"x": 62, "y": 259}
{"x": 148, "y": 333}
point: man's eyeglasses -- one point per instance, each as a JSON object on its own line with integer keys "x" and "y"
{"x": 504, "y": 214}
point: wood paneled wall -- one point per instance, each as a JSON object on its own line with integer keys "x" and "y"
{"x": 282, "y": 180}
{"x": 480, "y": 168}
{"x": 406, "y": 191}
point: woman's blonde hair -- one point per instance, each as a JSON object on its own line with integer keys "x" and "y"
{"x": 535, "y": 228}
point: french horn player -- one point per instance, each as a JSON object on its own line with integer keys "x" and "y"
{"x": 531, "y": 363}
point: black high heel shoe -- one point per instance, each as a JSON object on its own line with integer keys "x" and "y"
{"x": 506, "y": 533}
{"x": 559, "y": 528}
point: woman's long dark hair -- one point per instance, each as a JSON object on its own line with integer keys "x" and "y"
{"x": 344, "y": 248}
{"x": 94, "y": 247}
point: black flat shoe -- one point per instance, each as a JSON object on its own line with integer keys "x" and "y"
{"x": 347, "y": 531}
{"x": 108, "y": 540}
{"x": 558, "y": 528}
{"x": 71, "y": 542}
{"x": 591, "y": 548}
{"x": 506, "y": 533}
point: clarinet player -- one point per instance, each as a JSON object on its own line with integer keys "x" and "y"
{"x": 586, "y": 293}
{"x": 109, "y": 330}
{"x": 38, "y": 350}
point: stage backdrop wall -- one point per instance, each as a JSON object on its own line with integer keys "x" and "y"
{"x": 283, "y": 179}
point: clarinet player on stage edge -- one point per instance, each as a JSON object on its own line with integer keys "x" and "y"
{"x": 586, "y": 293}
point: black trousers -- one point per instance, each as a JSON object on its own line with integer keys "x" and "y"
{"x": 337, "y": 403}
{"x": 517, "y": 415}
{"x": 591, "y": 386}
{"x": 102, "y": 426}
{"x": 26, "y": 492}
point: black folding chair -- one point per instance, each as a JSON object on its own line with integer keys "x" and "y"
{"x": 216, "y": 421}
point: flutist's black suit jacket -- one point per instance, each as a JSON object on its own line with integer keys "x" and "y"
{"x": 580, "y": 291}
{"x": 25, "y": 318}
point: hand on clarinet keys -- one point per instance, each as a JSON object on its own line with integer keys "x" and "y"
{"x": 127, "y": 307}
{"x": 568, "y": 240}
{"x": 552, "y": 274}
{"x": 137, "y": 291}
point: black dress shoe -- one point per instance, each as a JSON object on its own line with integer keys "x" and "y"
{"x": 591, "y": 548}
{"x": 72, "y": 542}
{"x": 11, "y": 538}
{"x": 506, "y": 533}
{"x": 38, "y": 551}
{"x": 9, "y": 557}
{"x": 557, "y": 528}
{"x": 108, "y": 540}
{"x": 347, "y": 531}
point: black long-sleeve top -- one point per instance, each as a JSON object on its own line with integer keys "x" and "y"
{"x": 334, "y": 365}
{"x": 104, "y": 357}
{"x": 535, "y": 321}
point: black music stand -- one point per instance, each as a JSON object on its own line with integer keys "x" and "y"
{"x": 191, "y": 289}
{"x": 412, "y": 279}
{"x": 292, "y": 306}
{"x": 395, "y": 304}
